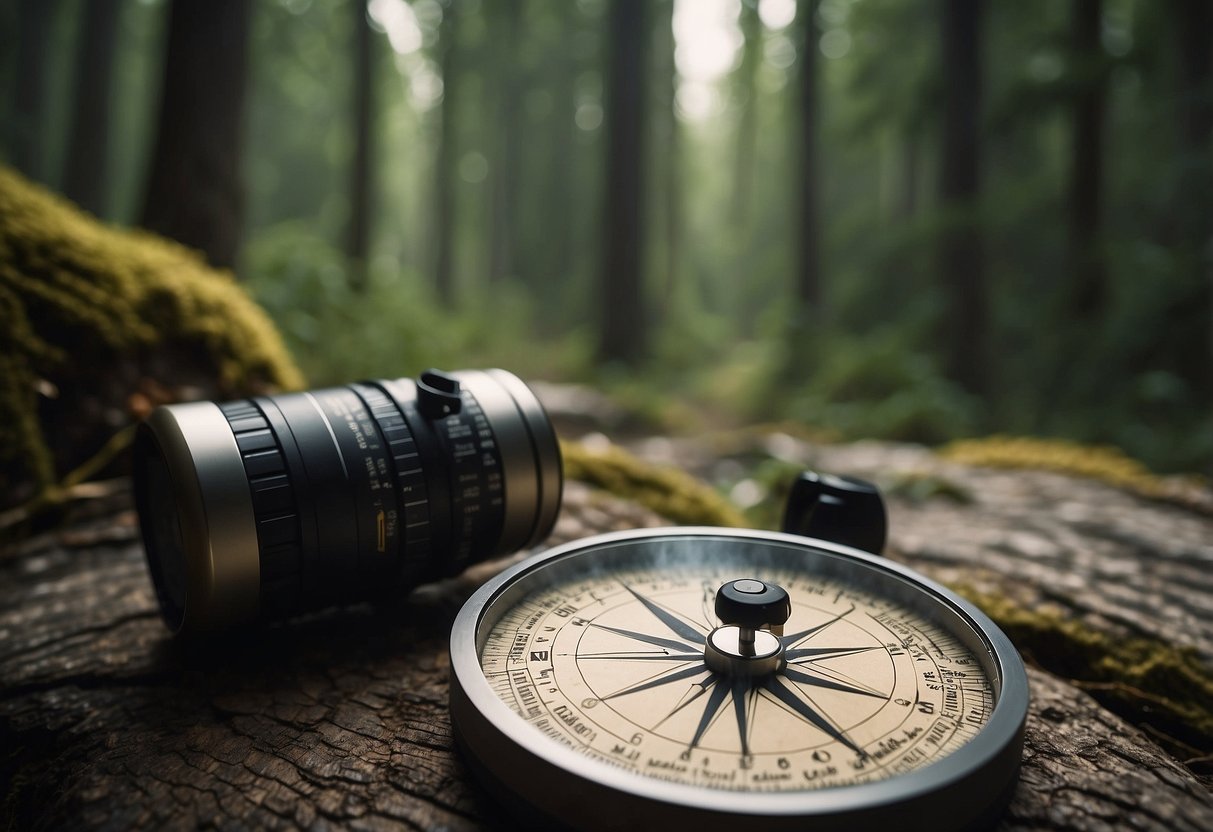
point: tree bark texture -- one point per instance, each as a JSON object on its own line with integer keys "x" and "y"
{"x": 85, "y": 179}
{"x": 194, "y": 192}
{"x": 340, "y": 718}
{"x": 623, "y": 335}
{"x": 960, "y": 253}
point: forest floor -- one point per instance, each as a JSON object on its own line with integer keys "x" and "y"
{"x": 340, "y": 718}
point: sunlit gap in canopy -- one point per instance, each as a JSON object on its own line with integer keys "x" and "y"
{"x": 406, "y": 26}
{"x": 707, "y": 47}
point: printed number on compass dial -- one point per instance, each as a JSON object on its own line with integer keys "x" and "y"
{"x": 614, "y": 667}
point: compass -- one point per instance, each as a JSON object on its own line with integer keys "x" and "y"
{"x": 713, "y": 677}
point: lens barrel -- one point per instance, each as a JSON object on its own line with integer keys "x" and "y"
{"x": 266, "y": 507}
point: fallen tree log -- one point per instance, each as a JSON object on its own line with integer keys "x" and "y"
{"x": 339, "y": 718}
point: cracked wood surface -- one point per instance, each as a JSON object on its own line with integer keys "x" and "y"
{"x": 339, "y": 719}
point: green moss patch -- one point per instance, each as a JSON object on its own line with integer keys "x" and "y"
{"x": 669, "y": 492}
{"x": 1166, "y": 689}
{"x": 99, "y": 323}
{"x": 1097, "y": 462}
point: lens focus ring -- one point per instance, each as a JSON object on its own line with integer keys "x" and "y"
{"x": 413, "y": 500}
{"x": 274, "y": 506}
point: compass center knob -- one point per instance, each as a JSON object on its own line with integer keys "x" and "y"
{"x": 753, "y": 613}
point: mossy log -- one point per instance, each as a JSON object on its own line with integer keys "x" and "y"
{"x": 99, "y": 324}
{"x": 340, "y": 720}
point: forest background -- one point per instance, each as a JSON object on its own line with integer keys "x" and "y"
{"x": 917, "y": 220}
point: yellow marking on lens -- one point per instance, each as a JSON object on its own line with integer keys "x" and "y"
{"x": 381, "y": 525}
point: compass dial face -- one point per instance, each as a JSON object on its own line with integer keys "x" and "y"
{"x": 884, "y": 683}
{"x": 613, "y": 666}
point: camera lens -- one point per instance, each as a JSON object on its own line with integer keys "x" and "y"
{"x": 270, "y": 506}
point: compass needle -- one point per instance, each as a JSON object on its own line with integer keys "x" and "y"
{"x": 829, "y": 684}
{"x": 822, "y": 653}
{"x": 647, "y": 638}
{"x": 805, "y": 635}
{"x": 711, "y": 710}
{"x": 679, "y": 627}
{"x": 743, "y": 711}
{"x": 663, "y": 678}
{"x": 777, "y": 688}
{"x": 643, "y": 679}
{"x": 695, "y": 691}
{"x": 658, "y": 656}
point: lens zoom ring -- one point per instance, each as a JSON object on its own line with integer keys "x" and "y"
{"x": 274, "y": 507}
{"x": 414, "y": 499}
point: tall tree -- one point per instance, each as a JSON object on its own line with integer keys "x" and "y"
{"x": 1195, "y": 36}
{"x": 194, "y": 191}
{"x": 1087, "y": 279}
{"x": 623, "y": 337}
{"x": 27, "y": 132}
{"x": 960, "y": 248}
{"x": 506, "y": 18}
{"x": 358, "y": 237}
{"x": 444, "y": 167}
{"x": 561, "y": 184}
{"x": 809, "y": 296}
{"x": 668, "y": 134}
{"x": 84, "y": 181}
{"x": 747, "y": 118}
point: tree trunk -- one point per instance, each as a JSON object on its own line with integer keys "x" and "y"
{"x": 747, "y": 118}
{"x": 504, "y": 134}
{"x": 27, "y": 128}
{"x": 194, "y": 191}
{"x": 358, "y": 240}
{"x": 809, "y": 295}
{"x": 668, "y": 134}
{"x": 623, "y": 335}
{"x": 444, "y": 167}
{"x": 85, "y": 181}
{"x": 1195, "y": 36}
{"x": 1087, "y": 280}
{"x": 960, "y": 256}
{"x": 559, "y": 209}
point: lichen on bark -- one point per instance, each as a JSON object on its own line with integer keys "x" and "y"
{"x": 1159, "y": 686}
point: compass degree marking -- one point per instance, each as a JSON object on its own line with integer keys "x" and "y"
{"x": 675, "y": 716}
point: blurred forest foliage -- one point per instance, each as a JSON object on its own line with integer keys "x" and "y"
{"x": 891, "y": 218}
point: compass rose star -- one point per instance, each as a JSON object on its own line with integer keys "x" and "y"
{"x": 795, "y": 700}
{"x": 787, "y": 689}
{"x": 687, "y": 631}
{"x": 790, "y": 641}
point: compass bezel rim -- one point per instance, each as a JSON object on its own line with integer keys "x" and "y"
{"x": 990, "y": 758}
